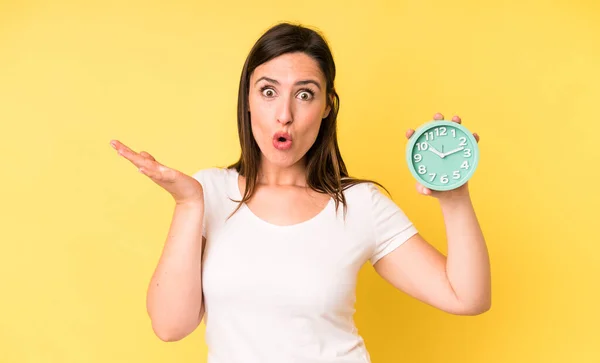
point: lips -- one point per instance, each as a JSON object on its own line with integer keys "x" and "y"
{"x": 282, "y": 140}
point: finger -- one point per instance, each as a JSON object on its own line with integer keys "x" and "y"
{"x": 135, "y": 158}
{"x": 422, "y": 190}
{"x": 456, "y": 119}
{"x": 117, "y": 145}
{"x": 147, "y": 155}
{"x": 476, "y": 137}
{"x": 152, "y": 172}
{"x": 129, "y": 154}
{"x": 409, "y": 133}
{"x": 438, "y": 116}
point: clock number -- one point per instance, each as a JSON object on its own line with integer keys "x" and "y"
{"x": 418, "y": 158}
{"x": 422, "y": 169}
{"x": 453, "y": 131}
{"x": 439, "y": 131}
{"x": 463, "y": 141}
{"x": 467, "y": 153}
{"x": 444, "y": 179}
{"x": 465, "y": 165}
{"x": 432, "y": 176}
{"x": 422, "y": 146}
{"x": 456, "y": 174}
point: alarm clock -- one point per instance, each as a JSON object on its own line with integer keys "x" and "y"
{"x": 442, "y": 155}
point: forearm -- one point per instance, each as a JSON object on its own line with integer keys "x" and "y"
{"x": 467, "y": 266}
{"x": 174, "y": 299}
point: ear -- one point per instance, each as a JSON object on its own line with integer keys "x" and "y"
{"x": 328, "y": 109}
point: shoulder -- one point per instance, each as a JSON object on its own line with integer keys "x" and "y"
{"x": 216, "y": 187}
{"x": 212, "y": 175}
{"x": 376, "y": 207}
{"x": 218, "y": 183}
{"x": 366, "y": 194}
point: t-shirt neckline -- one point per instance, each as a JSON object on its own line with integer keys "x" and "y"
{"x": 234, "y": 186}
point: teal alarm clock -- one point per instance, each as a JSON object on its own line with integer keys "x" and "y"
{"x": 442, "y": 155}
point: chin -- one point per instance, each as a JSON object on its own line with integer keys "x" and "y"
{"x": 282, "y": 161}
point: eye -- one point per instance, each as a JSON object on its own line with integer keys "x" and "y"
{"x": 306, "y": 94}
{"x": 267, "y": 91}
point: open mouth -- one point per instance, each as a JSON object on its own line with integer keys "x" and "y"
{"x": 282, "y": 141}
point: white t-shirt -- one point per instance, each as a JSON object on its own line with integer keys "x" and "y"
{"x": 286, "y": 294}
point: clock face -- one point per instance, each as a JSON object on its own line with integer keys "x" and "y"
{"x": 443, "y": 155}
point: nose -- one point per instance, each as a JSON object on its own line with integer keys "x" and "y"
{"x": 285, "y": 112}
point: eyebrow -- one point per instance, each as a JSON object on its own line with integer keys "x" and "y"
{"x": 299, "y": 83}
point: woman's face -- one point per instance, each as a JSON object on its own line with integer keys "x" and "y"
{"x": 287, "y": 101}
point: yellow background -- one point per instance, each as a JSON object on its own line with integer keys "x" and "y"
{"x": 82, "y": 230}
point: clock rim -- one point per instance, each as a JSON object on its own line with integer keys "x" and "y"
{"x": 424, "y": 128}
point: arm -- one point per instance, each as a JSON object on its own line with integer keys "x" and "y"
{"x": 459, "y": 283}
{"x": 174, "y": 298}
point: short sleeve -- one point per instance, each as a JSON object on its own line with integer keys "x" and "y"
{"x": 391, "y": 226}
{"x": 201, "y": 177}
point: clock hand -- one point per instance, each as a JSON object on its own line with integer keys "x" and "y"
{"x": 433, "y": 150}
{"x": 454, "y": 151}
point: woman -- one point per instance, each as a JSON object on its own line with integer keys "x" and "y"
{"x": 285, "y": 230}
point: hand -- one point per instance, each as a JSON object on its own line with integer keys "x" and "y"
{"x": 463, "y": 190}
{"x": 182, "y": 187}
{"x": 434, "y": 150}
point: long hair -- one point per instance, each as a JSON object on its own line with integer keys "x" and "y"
{"x": 326, "y": 170}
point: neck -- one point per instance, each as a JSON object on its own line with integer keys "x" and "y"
{"x": 275, "y": 175}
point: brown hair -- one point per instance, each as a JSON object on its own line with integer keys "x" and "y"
{"x": 326, "y": 170}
